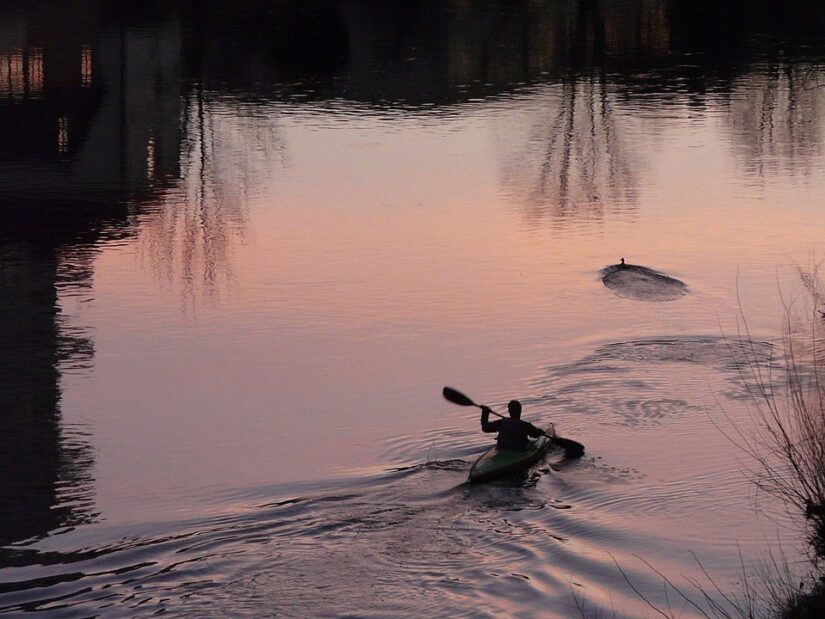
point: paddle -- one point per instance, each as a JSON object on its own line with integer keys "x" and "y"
{"x": 572, "y": 449}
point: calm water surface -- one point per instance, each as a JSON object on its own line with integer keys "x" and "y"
{"x": 243, "y": 248}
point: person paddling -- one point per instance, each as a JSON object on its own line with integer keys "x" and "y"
{"x": 572, "y": 449}
{"x": 512, "y": 432}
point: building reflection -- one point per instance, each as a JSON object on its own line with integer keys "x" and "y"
{"x": 46, "y": 481}
{"x": 81, "y": 98}
{"x": 21, "y": 73}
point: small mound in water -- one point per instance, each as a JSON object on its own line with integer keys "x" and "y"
{"x": 637, "y": 282}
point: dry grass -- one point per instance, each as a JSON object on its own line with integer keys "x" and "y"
{"x": 785, "y": 440}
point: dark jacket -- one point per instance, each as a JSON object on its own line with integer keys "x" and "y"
{"x": 512, "y": 433}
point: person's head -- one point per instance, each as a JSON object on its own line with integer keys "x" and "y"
{"x": 515, "y": 409}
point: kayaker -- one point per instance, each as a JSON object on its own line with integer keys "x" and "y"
{"x": 512, "y": 432}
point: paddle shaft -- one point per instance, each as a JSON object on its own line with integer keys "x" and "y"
{"x": 552, "y": 438}
{"x": 491, "y": 410}
{"x": 567, "y": 444}
{"x": 571, "y": 447}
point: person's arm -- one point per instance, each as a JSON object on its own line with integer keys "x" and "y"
{"x": 486, "y": 424}
{"x": 534, "y": 431}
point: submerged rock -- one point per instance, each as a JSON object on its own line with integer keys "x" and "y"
{"x": 637, "y": 282}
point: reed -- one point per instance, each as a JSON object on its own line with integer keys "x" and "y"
{"x": 785, "y": 437}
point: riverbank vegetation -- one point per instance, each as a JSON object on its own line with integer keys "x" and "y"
{"x": 785, "y": 441}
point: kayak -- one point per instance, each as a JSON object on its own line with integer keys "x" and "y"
{"x": 496, "y": 463}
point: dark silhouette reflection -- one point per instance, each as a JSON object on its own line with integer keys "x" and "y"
{"x": 90, "y": 109}
{"x": 46, "y": 479}
{"x": 419, "y": 53}
{"x": 255, "y": 49}
{"x": 88, "y": 119}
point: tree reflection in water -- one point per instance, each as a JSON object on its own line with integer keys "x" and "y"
{"x": 774, "y": 116}
{"x": 575, "y": 163}
{"x": 230, "y": 153}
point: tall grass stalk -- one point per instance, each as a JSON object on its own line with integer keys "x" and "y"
{"x": 786, "y": 439}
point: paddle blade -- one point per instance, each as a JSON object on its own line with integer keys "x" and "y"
{"x": 456, "y": 397}
{"x": 572, "y": 449}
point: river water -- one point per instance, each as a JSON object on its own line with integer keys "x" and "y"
{"x": 243, "y": 247}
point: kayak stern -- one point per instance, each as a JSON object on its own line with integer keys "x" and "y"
{"x": 496, "y": 463}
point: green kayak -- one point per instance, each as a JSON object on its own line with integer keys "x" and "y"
{"x": 496, "y": 463}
